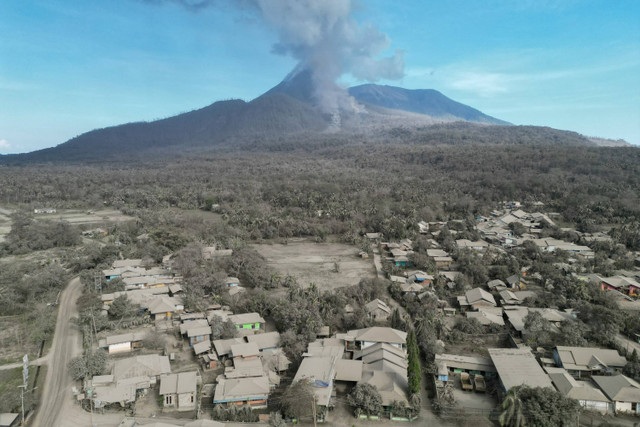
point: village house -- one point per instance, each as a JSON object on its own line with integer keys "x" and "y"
{"x": 230, "y": 282}
{"x": 516, "y": 315}
{"x": 122, "y": 343}
{"x": 253, "y": 391}
{"x": 589, "y": 396}
{"x": 8, "y": 419}
{"x": 179, "y": 390}
{"x": 198, "y": 334}
{"x": 496, "y": 285}
{"x": 623, "y": 391}
{"x": 626, "y": 285}
{"x": 359, "y": 339}
{"x": 475, "y": 298}
{"x": 479, "y": 245}
{"x": 440, "y": 258}
{"x": 487, "y": 316}
{"x": 455, "y": 364}
{"x": 266, "y": 341}
{"x": 163, "y": 307}
{"x": 129, "y": 378}
{"x": 518, "y": 366}
{"x": 248, "y": 322}
{"x": 378, "y": 310}
{"x": 584, "y": 362}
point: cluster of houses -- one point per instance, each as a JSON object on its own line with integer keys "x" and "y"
{"x": 133, "y": 377}
{"x": 589, "y": 375}
{"x": 375, "y": 355}
{"x": 496, "y": 229}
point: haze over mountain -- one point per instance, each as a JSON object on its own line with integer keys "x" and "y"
{"x": 378, "y": 113}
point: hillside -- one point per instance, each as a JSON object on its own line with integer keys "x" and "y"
{"x": 287, "y": 114}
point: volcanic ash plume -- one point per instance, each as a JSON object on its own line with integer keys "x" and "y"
{"x": 325, "y": 39}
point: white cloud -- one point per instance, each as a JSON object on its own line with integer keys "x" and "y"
{"x": 4, "y": 144}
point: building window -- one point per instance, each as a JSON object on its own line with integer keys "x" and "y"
{"x": 192, "y": 398}
{"x": 169, "y": 399}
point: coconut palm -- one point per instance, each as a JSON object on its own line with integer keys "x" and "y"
{"x": 512, "y": 410}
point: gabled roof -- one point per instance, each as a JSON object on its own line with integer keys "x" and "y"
{"x": 579, "y": 390}
{"x": 244, "y": 318}
{"x": 193, "y": 324}
{"x": 477, "y": 295}
{"x": 391, "y": 385}
{"x": 223, "y": 347}
{"x": 199, "y": 331}
{"x": 243, "y": 368}
{"x": 202, "y": 347}
{"x": 163, "y": 304}
{"x": 379, "y": 334}
{"x": 184, "y": 382}
{"x": 267, "y": 340}
{"x": 245, "y": 350}
{"x": 6, "y": 419}
{"x": 122, "y": 338}
{"x": 518, "y": 366}
{"x": 411, "y": 287}
{"x": 138, "y": 366}
{"x": 496, "y": 284}
{"x": 240, "y": 389}
{"x": 348, "y": 370}
{"x": 486, "y": 317}
{"x": 619, "y": 388}
{"x": 589, "y": 358}
{"x": 377, "y": 304}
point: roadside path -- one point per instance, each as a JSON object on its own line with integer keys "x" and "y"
{"x": 67, "y": 343}
{"x": 41, "y": 361}
{"x": 630, "y": 345}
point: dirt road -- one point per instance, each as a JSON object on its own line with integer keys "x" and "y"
{"x": 66, "y": 345}
{"x": 630, "y": 345}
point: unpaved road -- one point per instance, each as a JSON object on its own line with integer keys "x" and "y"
{"x": 67, "y": 343}
{"x": 630, "y": 345}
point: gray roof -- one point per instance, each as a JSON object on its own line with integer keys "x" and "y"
{"x": 470, "y": 363}
{"x": 579, "y": 390}
{"x": 184, "y": 382}
{"x": 379, "y": 334}
{"x": 348, "y": 370}
{"x": 618, "y": 388}
{"x": 589, "y": 358}
{"x": 7, "y": 418}
{"x": 244, "y": 318}
{"x": 199, "y": 331}
{"x": 518, "y": 366}
{"x": 202, "y": 347}
{"x": 477, "y": 295}
{"x": 245, "y": 350}
{"x": 267, "y": 340}
{"x": 147, "y": 365}
{"x": 223, "y": 347}
{"x": 241, "y": 389}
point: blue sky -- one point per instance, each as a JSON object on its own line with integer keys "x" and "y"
{"x": 69, "y": 66}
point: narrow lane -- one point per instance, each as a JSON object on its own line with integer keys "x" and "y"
{"x": 67, "y": 343}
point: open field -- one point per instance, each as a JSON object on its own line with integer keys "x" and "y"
{"x": 83, "y": 217}
{"x": 314, "y": 263}
{"x": 5, "y": 225}
{"x": 13, "y": 340}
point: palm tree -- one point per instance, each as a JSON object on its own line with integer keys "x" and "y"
{"x": 512, "y": 410}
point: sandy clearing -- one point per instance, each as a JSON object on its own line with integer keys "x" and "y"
{"x": 311, "y": 262}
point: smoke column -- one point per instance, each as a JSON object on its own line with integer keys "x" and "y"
{"x": 325, "y": 39}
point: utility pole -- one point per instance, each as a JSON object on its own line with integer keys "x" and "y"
{"x": 25, "y": 381}
{"x": 315, "y": 417}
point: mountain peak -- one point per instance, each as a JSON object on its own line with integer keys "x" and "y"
{"x": 298, "y": 84}
{"x": 429, "y": 102}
